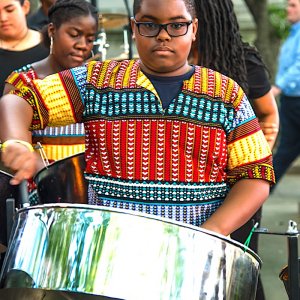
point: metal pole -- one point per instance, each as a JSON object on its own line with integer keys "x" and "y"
{"x": 293, "y": 268}
{"x": 129, "y": 31}
{"x": 10, "y": 212}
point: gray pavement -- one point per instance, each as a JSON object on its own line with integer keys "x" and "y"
{"x": 282, "y": 206}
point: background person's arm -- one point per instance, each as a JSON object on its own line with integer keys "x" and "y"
{"x": 275, "y": 90}
{"x": 266, "y": 111}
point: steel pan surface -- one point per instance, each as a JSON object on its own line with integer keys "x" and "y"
{"x": 42, "y": 294}
{"x": 63, "y": 181}
{"x": 122, "y": 254}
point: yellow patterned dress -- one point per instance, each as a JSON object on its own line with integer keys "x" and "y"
{"x": 58, "y": 142}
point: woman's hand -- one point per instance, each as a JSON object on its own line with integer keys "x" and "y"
{"x": 266, "y": 111}
{"x": 21, "y": 159}
{"x": 270, "y": 131}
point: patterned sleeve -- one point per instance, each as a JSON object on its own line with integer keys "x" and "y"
{"x": 21, "y": 77}
{"x": 56, "y": 100}
{"x": 249, "y": 155}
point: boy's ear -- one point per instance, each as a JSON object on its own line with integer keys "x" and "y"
{"x": 195, "y": 28}
{"x": 132, "y": 24}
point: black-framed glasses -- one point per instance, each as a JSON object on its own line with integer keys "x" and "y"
{"x": 174, "y": 29}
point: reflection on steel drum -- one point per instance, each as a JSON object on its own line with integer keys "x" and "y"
{"x": 123, "y": 254}
{"x": 63, "y": 181}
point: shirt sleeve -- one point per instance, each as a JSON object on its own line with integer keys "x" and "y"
{"x": 56, "y": 100}
{"x": 257, "y": 76}
{"x": 20, "y": 78}
{"x": 288, "y": 75}
{"x": 249, "y": 155}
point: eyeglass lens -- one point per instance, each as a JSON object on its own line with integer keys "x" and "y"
{"x": 173, "y": 29}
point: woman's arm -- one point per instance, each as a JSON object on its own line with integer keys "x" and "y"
{"x": 266, "y": 111}
{"x": 244, "y": 199}
{"x": 7, "y": 88}
{"x": 15, "y": 119}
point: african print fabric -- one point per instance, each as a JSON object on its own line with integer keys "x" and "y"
{"x": 58, "y": 142}
{"x": 177, "y": 162}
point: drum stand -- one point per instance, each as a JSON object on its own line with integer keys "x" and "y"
{"x": 128, "y": 37}
{"x": 292, "y": 234}
{"x": 101, "y": 41}
{"x": 11, "y": 206}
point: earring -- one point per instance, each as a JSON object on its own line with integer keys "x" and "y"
{"x": 51, "y": 45}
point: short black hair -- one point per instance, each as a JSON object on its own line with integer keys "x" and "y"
{"x": 190, "y": 6}
{"x": 63, "y": 11}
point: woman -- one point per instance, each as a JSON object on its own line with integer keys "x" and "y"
{"x": 19, "y": 45}
{"x": 219, "y": 46}
{"x": 70, "y": 36}
{"x": 39, "y": 18}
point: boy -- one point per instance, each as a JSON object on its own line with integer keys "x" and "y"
{"x": 162, "y": 137}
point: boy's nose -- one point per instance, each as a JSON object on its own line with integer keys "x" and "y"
{"x": 163, "y": 34}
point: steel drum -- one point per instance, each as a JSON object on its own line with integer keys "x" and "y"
{"x": 63, "y": 181}
{"x": 6, "y": 191}
{"x": 42, "y": 294}
{"x": 122, "y": 254}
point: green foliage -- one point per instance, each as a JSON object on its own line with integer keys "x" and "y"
{"x": 277, "y": 17}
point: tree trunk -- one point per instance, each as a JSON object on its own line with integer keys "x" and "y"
{"x": 266, "y": 41}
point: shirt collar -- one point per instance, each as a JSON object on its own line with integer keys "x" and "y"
{"x": 295, "y": 27}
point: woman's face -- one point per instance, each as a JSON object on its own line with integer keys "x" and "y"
{"x": 13, "y": 18}
{"x": 73, "y": 41}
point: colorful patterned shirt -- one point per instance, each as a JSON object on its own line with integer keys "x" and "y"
{"x": 177, "y": 162}
{"x": 57, "y": 142}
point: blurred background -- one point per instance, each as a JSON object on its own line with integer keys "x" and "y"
{"x": 262, "y": 23}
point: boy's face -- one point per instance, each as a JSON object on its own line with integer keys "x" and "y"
{"x": 164, "y": 55}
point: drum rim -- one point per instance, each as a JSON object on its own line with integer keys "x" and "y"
{"x": 57, "y": 162}
{"x": 145, "y": 215}
{"x": 6, "y": 173}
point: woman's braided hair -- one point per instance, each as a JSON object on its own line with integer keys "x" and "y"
{"x": 219, "y": 40}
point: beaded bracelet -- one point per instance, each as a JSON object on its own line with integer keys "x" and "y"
{"x": 8, "y": 142}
